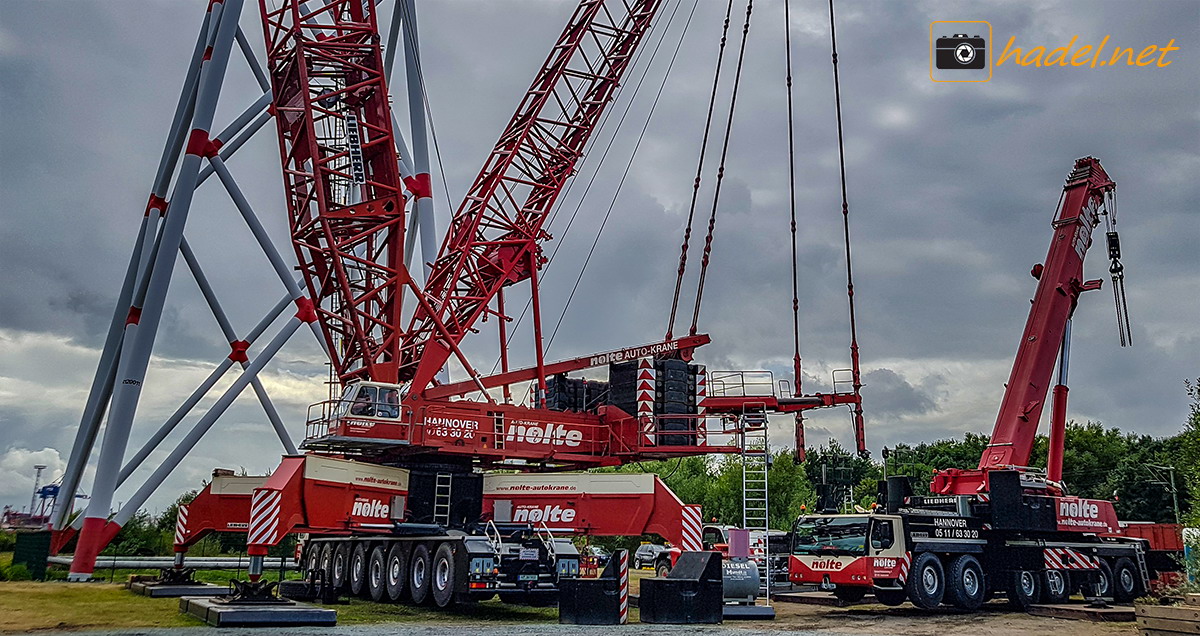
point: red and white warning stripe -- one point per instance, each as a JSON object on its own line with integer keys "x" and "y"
{"x": 1068, "y": 559}
{"x": 181, "y": 525}
{"x": 905, "y": 562}
{"x": 623, "y": 584}
{"x": 701, "y": 393}
{"x": 645, "y": 397}
{"x": 983, "y": 497}
{"x": 264, "y": 517}
{"x": 693, "y": 526}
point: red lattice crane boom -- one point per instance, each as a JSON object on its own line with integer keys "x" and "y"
{"x": 341, "y": 180}
{"x": 493, "y": 238}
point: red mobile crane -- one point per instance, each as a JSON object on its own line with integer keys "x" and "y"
{"x": 390, "y": 492}
{"x": 1002, "y": 526}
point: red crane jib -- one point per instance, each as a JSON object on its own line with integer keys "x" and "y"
{"x": 1060, "y": 281}
{"x": 493, "y": 239}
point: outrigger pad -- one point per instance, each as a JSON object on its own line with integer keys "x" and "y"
{"x": 691, "y": 594}
{"x": 592, "y": 601}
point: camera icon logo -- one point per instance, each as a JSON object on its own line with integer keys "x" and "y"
{"x": 960, "y": 57}
{"x": 960, "y": 51}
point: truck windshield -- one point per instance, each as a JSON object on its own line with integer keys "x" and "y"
{"x": 830, "y": 536}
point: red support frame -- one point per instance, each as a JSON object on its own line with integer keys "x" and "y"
{"x": 493, "y": 238}
{"x": 341, "y": 180}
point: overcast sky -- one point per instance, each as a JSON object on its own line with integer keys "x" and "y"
{"x": 952, "y": 187}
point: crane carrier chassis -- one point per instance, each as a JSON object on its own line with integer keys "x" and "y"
{"x": 360, "y": 534}
{"x": 961, "y": 549}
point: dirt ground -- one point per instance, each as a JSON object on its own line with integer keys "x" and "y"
{"x": 995, "y": 620}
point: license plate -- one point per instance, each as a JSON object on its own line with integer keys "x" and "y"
{"x": 527, "y": 577}
{"x": 528, "y": 554}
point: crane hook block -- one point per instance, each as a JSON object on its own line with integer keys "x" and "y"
{"x": 1114, "y": 246}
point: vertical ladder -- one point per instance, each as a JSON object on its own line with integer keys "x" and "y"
{"x": 441, "y": 499}
{"x": 755, "y": 464}
{"x": 1140, "y": 555}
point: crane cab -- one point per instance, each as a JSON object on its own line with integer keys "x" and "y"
{"x": 364, "y": 409}
{"x": 856, "y": 551}
{"x": 369, "y": 399}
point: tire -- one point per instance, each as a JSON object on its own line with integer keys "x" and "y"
{"x": 662, "y": 568}
{"x": 927, "y": 584}
{"x": 637, "y": 564}
{"x": 419, "y": 569}
{"x": 1056, "y": 587}
{"x": 1104, "y": 586}
{"x": 326, "y": 560}
{"x": 1127, "y": 582}
{"x": 444, "y": 576}
{"x": 965, "y": 583}
{"x": 850, "y": 595}
{"x": 395, "y": 573}
{"x": 312, "y": 559}
{"x": 891, "y": 598}
{"x": 376, "y": 586}
{"x": 357, "y": 574}
{"x": 1024, "y": 587}
{"x": 339, "y": 565}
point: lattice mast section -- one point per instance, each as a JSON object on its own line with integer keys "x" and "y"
{"x": 342, "y": 184}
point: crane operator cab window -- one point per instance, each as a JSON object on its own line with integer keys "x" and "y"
{"x": 830, "y": 536}
{"x": 364, "y": 400}
{"x": 389, "y": 403}
{"x": 370, "y": 401}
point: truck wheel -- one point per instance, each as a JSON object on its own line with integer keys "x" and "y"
{"x": 358, "y": 568}
{"x": 443, "y": 576}
{"x": 312, "y": 559}
{"x": 965, "y": 583}
{"x": 891, "y": 598}
{"x": 1104, "y": 580}
{"x": 376, "y": 564}
{"x": 662, "y": 568}
{"x": 326, "y": 561}
{"x": 1023, "y": 589}
{"x": 339, "y": 565}
{"x": 395, "y": 572}
{"x": 850, "y": 595}
{"x": 927, "y": 585}
{"x": 419, "y": 570}
{"x": 1056, "y": 587}
{"x": 1127, "y": 582}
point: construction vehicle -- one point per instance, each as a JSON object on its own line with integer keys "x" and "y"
{"x": 1003, "y": 527}
{"x": 389, "y": 483}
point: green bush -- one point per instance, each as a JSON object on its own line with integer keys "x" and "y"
{"x": 3, "y": 573}
{"x": 8, "y": 541}
{"x": 18, "y": 572}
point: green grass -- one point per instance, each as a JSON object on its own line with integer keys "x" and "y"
{"x": 29, "y": 606}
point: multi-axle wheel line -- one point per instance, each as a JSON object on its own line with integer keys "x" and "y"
{"x": 388, "y": 570}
